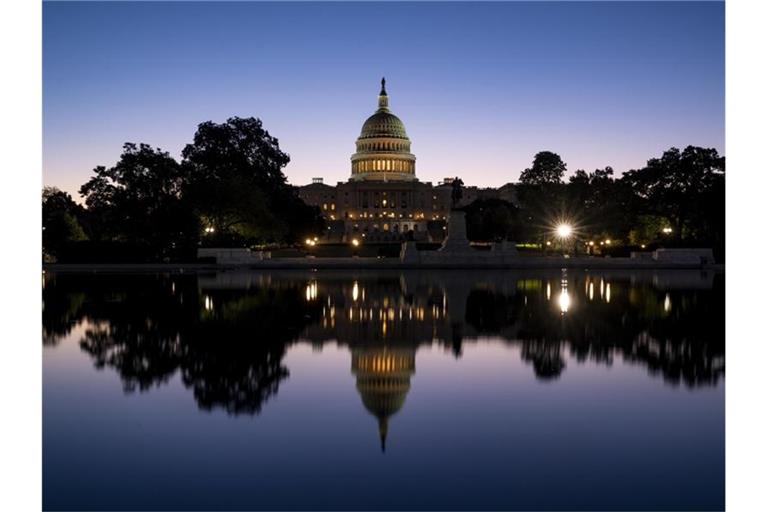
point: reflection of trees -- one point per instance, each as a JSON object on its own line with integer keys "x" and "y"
{"x": 489, "y": 312}
{"x": 61, "y": 309}
{"x": 684, "y": 345}
{"x": 238, "y": 378}
{"x": 141, "y": 357}
{"x": 227, "y": 346}
{"x": 547, "y": 358}
{"x": 234, "y": 357}
{"x": 228, "y": 340}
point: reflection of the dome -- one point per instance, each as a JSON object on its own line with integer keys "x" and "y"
{"x": 383, "y": 380}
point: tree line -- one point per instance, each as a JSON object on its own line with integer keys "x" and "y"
{"x": 677, "y": 199}
{"x": 229, "y": 189}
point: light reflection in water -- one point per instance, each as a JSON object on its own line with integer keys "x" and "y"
{"x": 564, "y": 300}
{"x": 667, "y": 303}
{"x": 311, "y": 291}
{"x": 608, "y": 292}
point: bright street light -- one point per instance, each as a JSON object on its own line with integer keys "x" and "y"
{"x": 355, "y": 242}
{"x": 564, "y": 230}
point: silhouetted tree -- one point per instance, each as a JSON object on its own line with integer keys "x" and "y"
{"x": 60, "y": 220}
{"x": 607, "y": 206}
{"x": 688, "y": 189}
{"x": 138, "y": 200}
{"x": 237, "y": 186}
{"x": 492, "y": 220}
{"x": 547, "y": 168}
{"x": 541, "y": 194}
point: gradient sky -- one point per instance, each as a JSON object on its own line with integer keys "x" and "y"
{"x": 480, "y": 87}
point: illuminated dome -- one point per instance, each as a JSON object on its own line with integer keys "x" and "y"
{"x": 383, "y": 147}
{"x": 383, "y": 381}
{"x": 383, "y": 124}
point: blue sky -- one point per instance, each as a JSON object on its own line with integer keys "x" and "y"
{"x": 481, "y": 87}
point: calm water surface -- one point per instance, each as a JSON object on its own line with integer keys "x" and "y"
{"x": 353, "y": 390}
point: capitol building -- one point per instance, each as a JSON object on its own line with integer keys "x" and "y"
{"x": 383, "y": 200}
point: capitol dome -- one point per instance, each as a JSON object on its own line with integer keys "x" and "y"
{"x": 383, "y": 124}
{"x": 383, "y": 147}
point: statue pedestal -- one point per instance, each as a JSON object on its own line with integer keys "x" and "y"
{"x": 456, "y": 251}
{"x": 456, "y": 237}
{"x": 409, "y": 253}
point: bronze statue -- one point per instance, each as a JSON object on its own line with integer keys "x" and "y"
{"x": 456, "y": 193}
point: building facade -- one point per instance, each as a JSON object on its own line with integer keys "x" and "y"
{"x": 383, "y": 200}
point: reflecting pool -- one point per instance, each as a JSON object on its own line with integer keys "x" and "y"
{"x": 530, "y": 390}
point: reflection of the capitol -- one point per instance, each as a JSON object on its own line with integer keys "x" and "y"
{"x": 227, "y": 333}
{"x": 384, "y": 321}
{"x": 349, "y": 313}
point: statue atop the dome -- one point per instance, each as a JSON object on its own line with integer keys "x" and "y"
{"x": 383, "y": 98}
{"x": 456, "y": 192}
